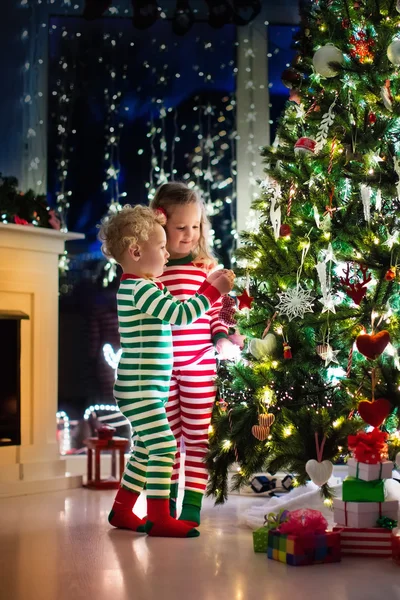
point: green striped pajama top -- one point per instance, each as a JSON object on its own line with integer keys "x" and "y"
{"x": 146, "y": 311}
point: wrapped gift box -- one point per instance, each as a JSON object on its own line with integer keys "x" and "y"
{"x": 376, "y": 542}
{"x": 308, "y": 549}
{"x": 357, "y": 490}
{"x": 260, "y": 539}
{"x": 369, "y": 472}
{"x": 363, "y": 514}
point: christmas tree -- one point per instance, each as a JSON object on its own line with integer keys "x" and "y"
{"x": 319, "y": 266}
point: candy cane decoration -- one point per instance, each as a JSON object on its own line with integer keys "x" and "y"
{"x": 350, "y": 361}
{"x": 313, "y": 105}
{"x": 270, "y": 321}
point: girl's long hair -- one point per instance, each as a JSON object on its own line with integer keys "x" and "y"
{"x": 178, "y": 193}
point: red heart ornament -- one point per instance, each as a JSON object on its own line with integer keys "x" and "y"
{"x": 374, "y": 413}
{"x": 372, "y": 346}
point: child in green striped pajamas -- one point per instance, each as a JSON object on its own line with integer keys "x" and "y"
{"x": 135, "y": 238}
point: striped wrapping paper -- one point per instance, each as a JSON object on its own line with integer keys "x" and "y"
{"x": 375, "y": 542}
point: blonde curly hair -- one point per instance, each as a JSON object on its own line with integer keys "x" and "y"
{"x": 178, "y": 193}
{"x": 129, "y": 226}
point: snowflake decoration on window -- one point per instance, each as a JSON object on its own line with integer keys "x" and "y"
{"x": 295, "y": 303}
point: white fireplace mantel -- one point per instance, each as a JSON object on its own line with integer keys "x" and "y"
{"x": 29, "y": 274}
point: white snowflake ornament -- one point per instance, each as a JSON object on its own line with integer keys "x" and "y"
{"x": 295, "y": 303}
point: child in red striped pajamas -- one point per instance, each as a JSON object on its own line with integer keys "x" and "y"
{"x": 193, "y": 390}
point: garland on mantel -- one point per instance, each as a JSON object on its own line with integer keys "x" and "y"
{"x": 24, "y": 208}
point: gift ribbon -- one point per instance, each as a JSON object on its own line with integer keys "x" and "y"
{"x": 319, "y": 449}
{"x": 358, "y": 469}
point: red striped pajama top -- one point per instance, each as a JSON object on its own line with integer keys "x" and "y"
{"x": 183, "y": 278}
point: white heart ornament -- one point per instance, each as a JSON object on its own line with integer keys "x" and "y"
{"x": 319, "y": 472}
{"x": 261, "y": 348}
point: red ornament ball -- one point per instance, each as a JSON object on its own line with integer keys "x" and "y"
{"x": 372, "y": 118}
{"x": 285, "y": 230}
{"x": 390, "y": 274}
{"x": 291, "y": 78}
{"x": 346, "y": 23}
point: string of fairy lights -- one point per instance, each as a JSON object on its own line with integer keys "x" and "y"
{"x": 211, "y": 167}
{"x": 35, "y": 36}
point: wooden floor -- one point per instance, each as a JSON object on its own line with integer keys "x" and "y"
{"x": 59, "y": 546}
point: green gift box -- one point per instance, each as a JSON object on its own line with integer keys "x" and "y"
{"x": 357, "y": 490}
{"x": 260, "y": 539}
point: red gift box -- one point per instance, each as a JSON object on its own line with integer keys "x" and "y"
{"x": 375, "y": 542}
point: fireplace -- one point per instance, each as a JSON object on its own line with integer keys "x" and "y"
{"x": 10, "y": 370}
{"x": 29, "y": 454}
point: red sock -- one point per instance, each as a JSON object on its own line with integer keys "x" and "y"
{"x": 161, "y": 524}
{"x": 121, "y": 514}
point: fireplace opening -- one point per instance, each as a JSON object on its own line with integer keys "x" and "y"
{"x": 10, "y": 377}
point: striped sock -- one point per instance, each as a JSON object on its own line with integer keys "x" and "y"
{"x": 121, "y": 515}
{"x": 173, "y": 496}
{"x": 191, "y": 507}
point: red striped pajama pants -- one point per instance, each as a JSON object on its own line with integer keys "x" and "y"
{"x": 190, "y": 403}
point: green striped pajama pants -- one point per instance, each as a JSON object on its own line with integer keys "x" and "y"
{"x": 143, "y": 404}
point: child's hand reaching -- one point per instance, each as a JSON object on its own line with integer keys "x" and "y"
{"x": 211, "y": 278}
{"x": 226, "y": 350}
{"x": 223, "y": 281}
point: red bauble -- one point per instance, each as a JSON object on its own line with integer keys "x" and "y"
{"x": 346, "y": 23}
{"x": 245, "y": 300}
{"x": 285, "y": 230}
{"x": 372, "y": 118}
{"x": 390, "y": 274}
{"x": 291, "y": 78}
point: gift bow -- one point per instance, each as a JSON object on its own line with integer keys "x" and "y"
{"x": 386, "y": 523}
{"x": 273, "y": 520}
{"x": 304, "y": 521}
{"x": 369, "y": 447}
